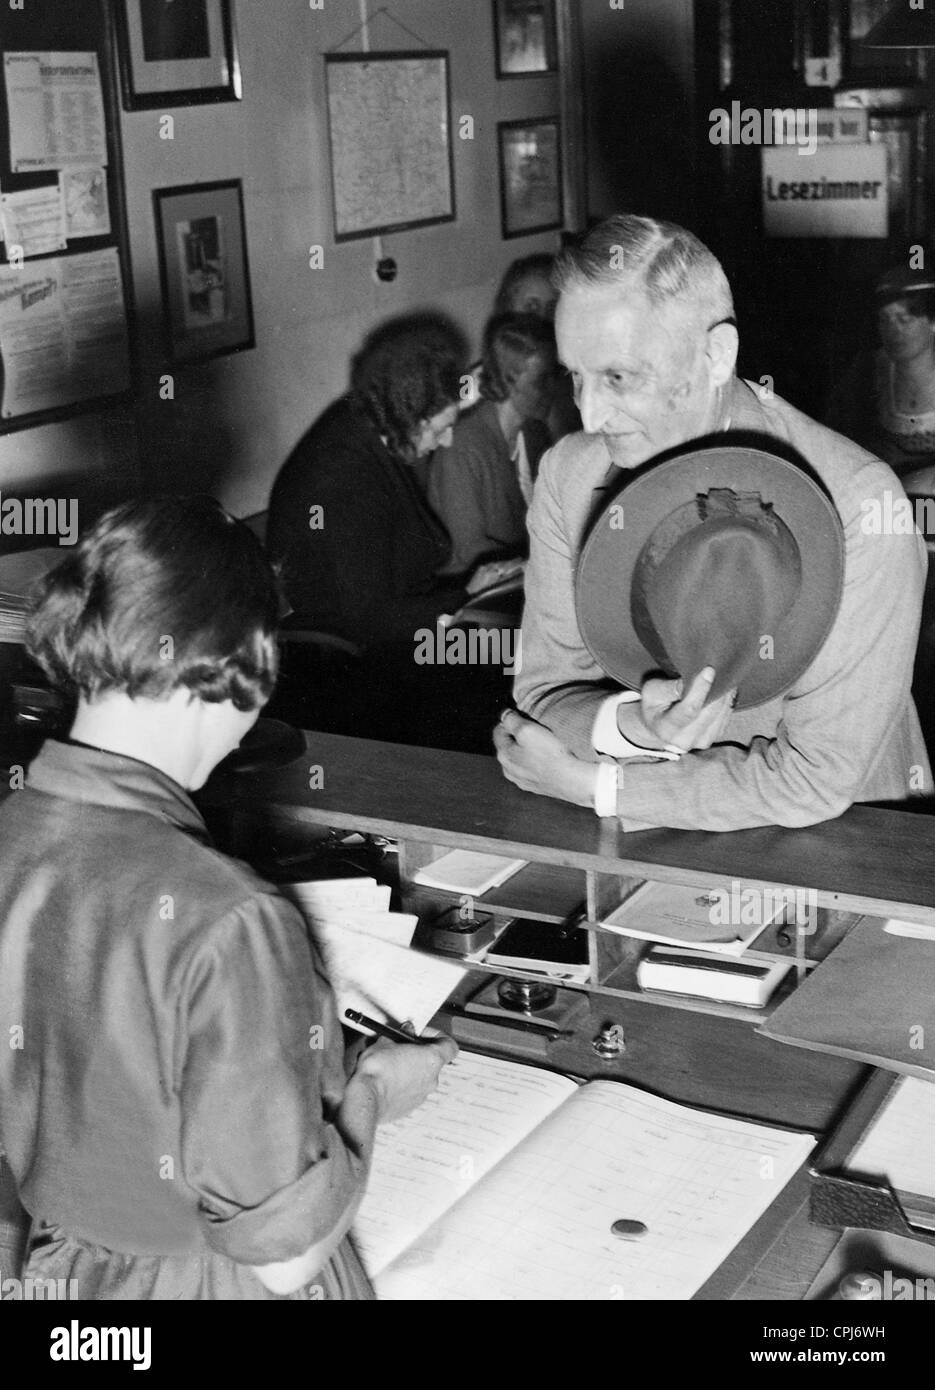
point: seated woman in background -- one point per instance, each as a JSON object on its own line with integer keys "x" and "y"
{"x": 886, "y": 400}
{"x": 482, "y": 484}
{"x": 170, "y": 1128}
{"x": 526, "y": 288}
{"x": 358, "y": 546}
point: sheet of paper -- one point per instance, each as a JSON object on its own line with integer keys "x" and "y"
{"x": 397, "y": 928}
{"x": 337, "y": 893}
{"x": 539, "y": 1226}
{"x": 95, "y": 317}
{"x": 56, "y": 110}
{"x": 34, "y": 220}
{"x": 900, "y": 1144}
{"x": 84, "y": 194}
{"x": 425, "y": 1162}
{"x": 390, "y": 982}
{"x": 63, "y": 332}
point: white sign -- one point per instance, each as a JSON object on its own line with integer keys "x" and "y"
{"x": 839, "y": 191}
{"x": 844, "y": 125}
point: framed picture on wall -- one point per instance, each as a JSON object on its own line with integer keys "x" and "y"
{"x": 177, "y": 52}
{"x": 389, "y": 130}
{"x": 204, "y": 270}
{"x": 530, "y": 176}
{"x": 525, "y": 37}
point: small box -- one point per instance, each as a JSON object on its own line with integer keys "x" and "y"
{"x": 454, "y": 935}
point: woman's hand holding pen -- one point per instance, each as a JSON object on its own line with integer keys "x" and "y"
{"x": 403, "y": 1075}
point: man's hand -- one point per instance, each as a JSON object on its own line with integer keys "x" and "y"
{"x": 683, "y": 721}
{"x": 491, "y": 572}
{"x": 532, "y": 757}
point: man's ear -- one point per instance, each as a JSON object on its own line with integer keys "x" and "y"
{"x": 722, "y": 347}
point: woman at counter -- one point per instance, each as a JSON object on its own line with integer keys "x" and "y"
{"x": 172, "y": 1124}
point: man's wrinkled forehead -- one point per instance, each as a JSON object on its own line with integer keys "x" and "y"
{"x": 623, "y": 320}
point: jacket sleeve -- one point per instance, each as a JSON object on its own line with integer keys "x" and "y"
{"x": 257, "y": 1086}
{"x": 558, "y": 682}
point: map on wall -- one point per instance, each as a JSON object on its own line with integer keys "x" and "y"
{"x": 388, "y": 119}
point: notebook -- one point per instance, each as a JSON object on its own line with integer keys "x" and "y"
{"x": 505, "y": 1183}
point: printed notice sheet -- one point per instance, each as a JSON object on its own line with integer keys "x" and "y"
{"x": 56, "y": 110}
{"x": 63, "y": 332}
{"x": 34, "y": 221}
{"x": 84, "y": 196}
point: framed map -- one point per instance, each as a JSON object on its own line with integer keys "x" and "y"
{"x": 389, "y": 128}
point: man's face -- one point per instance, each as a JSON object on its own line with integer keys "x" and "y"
{"x": 641, "y": 374}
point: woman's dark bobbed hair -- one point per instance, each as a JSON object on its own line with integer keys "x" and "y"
{"x": 161, "y": 593}
{"x": 408, "y": 370}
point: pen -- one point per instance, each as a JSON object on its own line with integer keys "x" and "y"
{"x": 385, "y": 1030}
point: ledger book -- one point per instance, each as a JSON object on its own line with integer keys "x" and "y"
{"x": 506, "y": 1182}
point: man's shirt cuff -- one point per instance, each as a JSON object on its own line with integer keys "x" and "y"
{"x": 606, "y": 788}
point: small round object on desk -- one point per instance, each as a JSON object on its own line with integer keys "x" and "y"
{"x": 627, "y": 1229}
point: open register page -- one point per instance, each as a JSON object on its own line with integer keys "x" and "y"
{"x": 506, "y": 1182}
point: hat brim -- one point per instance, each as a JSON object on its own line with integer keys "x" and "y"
{"x": 604, "y": 576}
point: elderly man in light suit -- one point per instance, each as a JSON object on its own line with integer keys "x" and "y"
{"x": 645, "y": 326}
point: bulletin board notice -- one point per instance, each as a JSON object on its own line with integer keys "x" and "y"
{"x": 64, "y": 307}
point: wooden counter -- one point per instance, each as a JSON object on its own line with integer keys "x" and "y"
{"x": 867, "y": 861}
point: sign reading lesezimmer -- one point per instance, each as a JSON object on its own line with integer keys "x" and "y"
{"x": 840, "y": 190}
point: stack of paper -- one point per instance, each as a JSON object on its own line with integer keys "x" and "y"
{"x": 466, "y": 871}
{"x": 366, "y": 951}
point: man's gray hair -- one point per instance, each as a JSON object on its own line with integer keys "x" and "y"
{"x": 664, "y": 261}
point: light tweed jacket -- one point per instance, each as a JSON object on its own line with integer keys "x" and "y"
{"x": 846, "y": 731}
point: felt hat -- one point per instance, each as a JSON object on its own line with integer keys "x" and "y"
{"x": 724, "y": 556}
